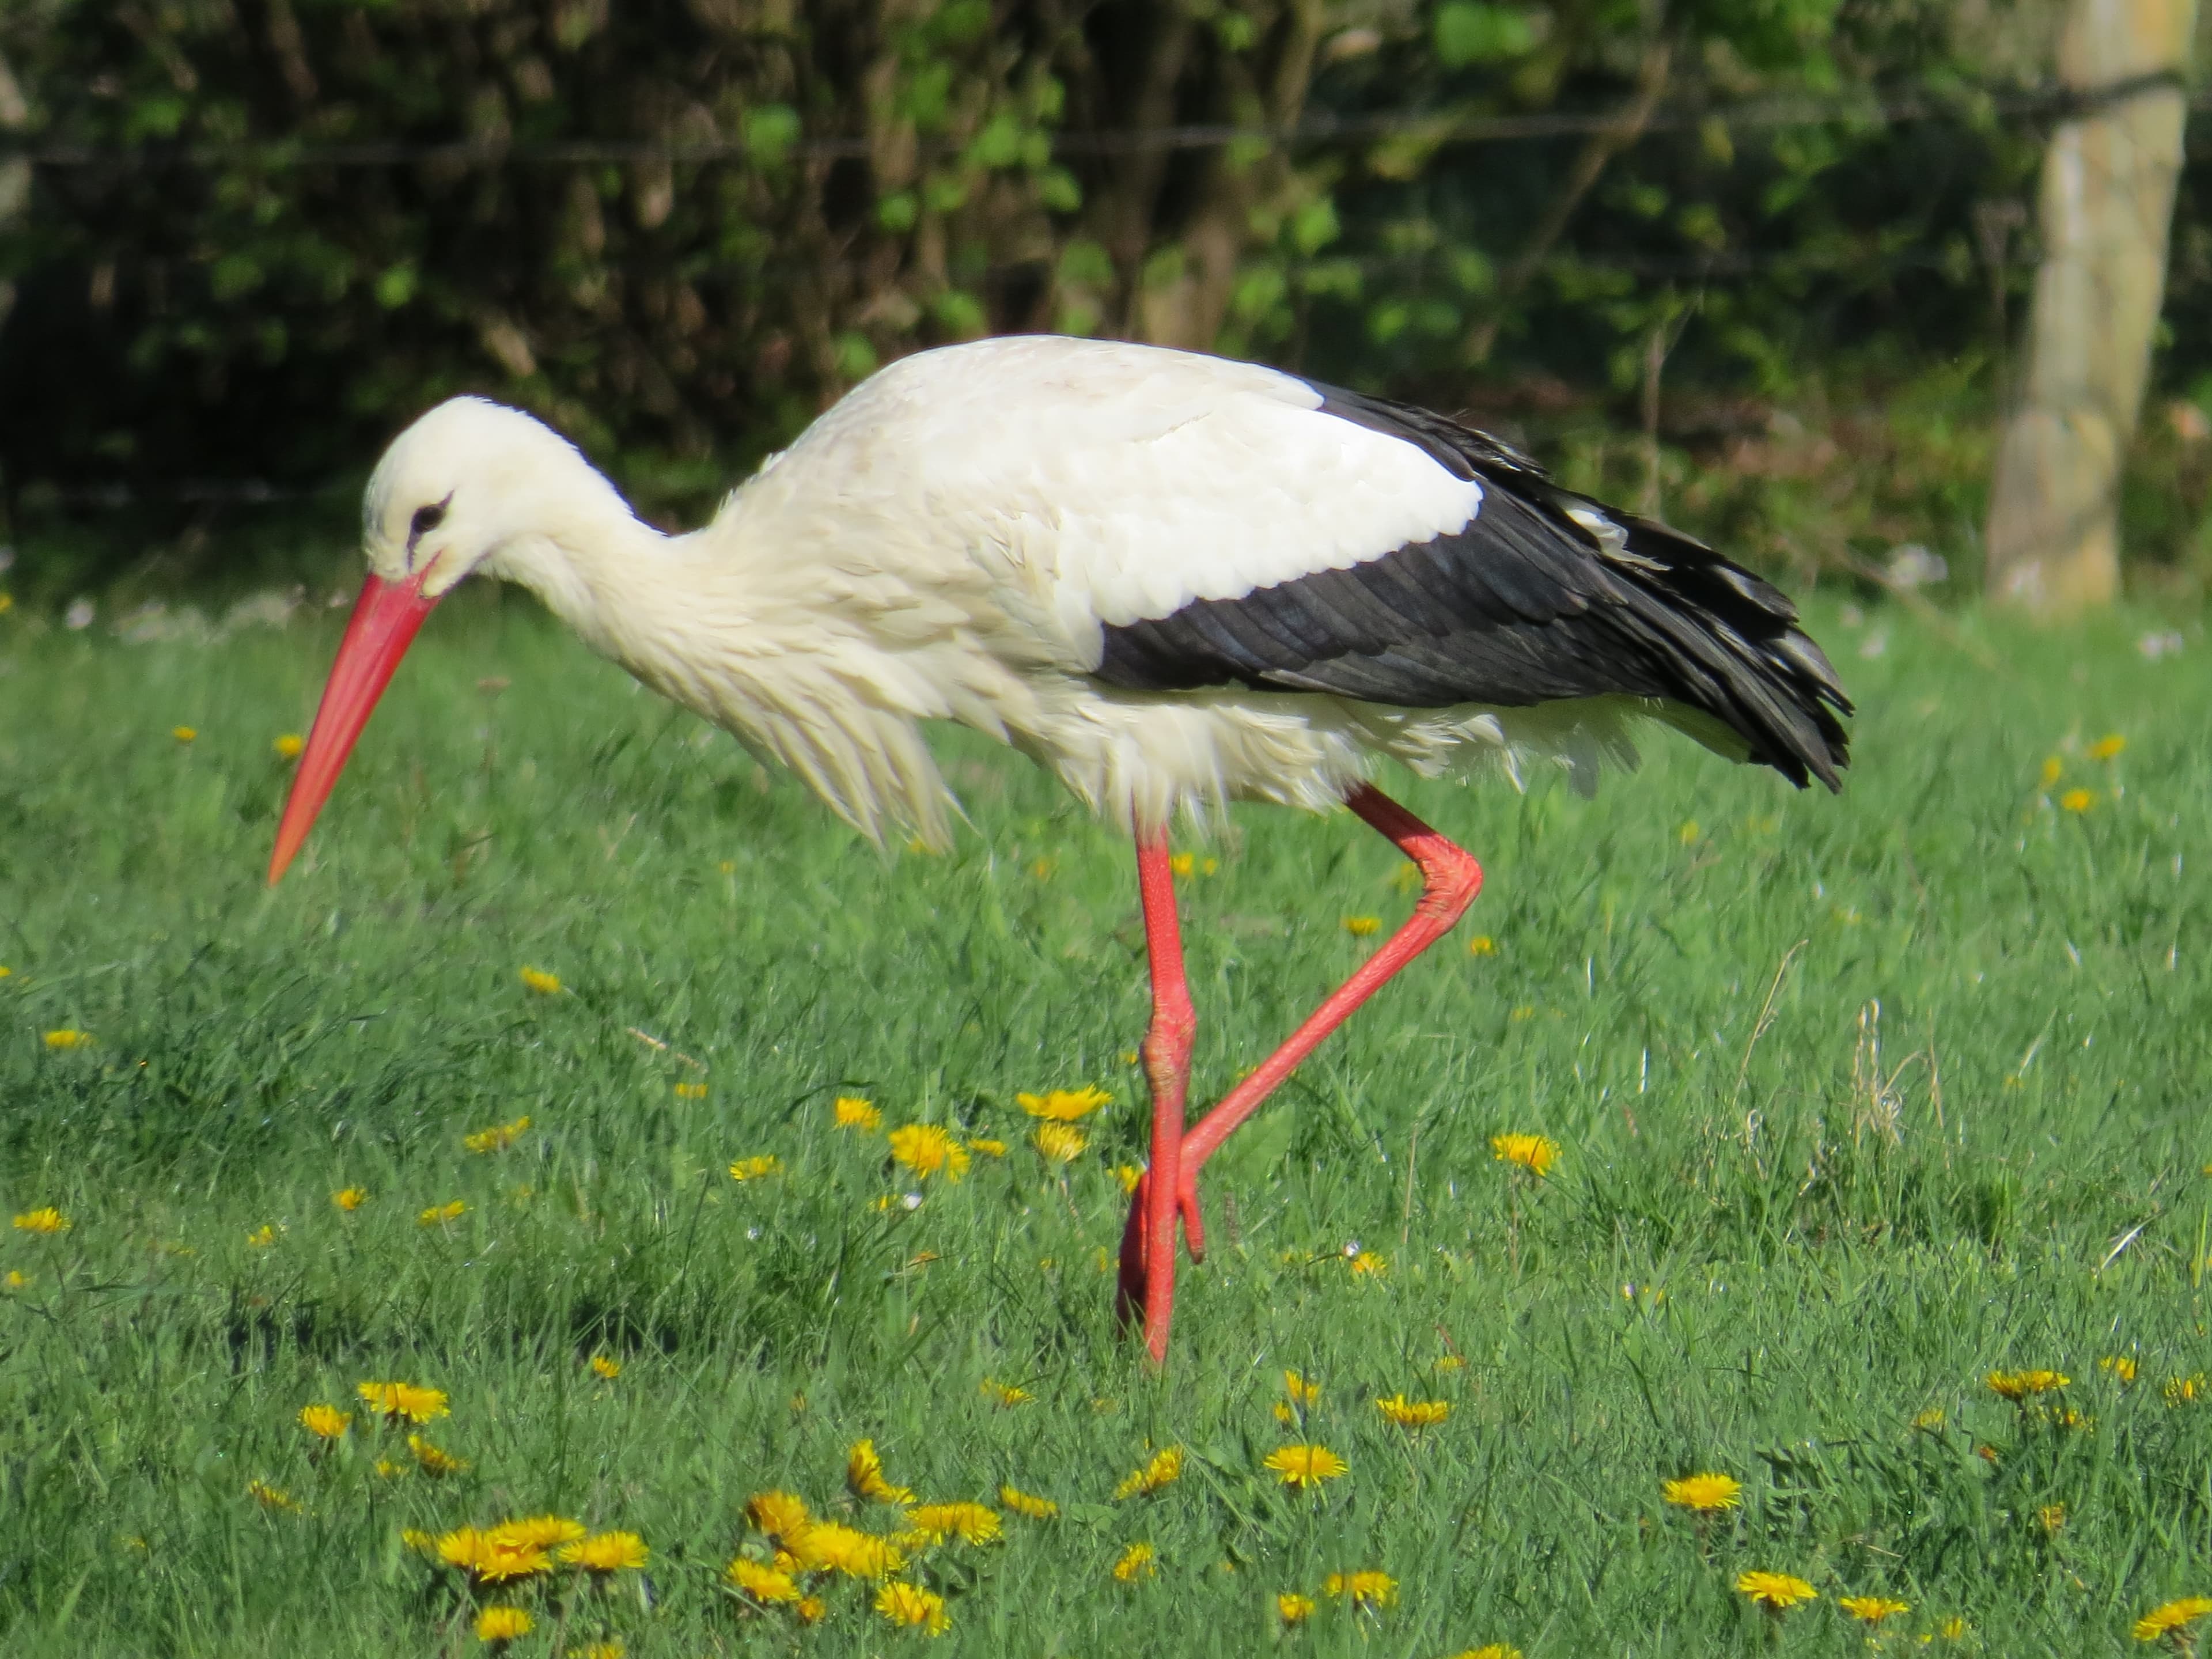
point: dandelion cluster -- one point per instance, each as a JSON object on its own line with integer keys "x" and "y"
{"x": 1137, "y": 1562}
{"x": 47, "y": 1221}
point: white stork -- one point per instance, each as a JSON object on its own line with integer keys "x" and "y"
{"x": 1171, "y": 581}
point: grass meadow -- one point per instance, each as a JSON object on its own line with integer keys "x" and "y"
{"x": 1858, "y": 1101}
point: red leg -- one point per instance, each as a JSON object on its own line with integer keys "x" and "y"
{"x": 1148, "y": 1243}
{"x": 1449, "y": 880}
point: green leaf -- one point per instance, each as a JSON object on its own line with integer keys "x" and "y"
{"x": 1058, "y": 190}
{"x": 769, "y": 131}
{"x": 854, "y": 355}
{"x": 997, "y": 144}
{"x": 961, "y": 314}
{"x": 1468, "y": 32}
{"x": 898, "y": 212}
{"x": 1085, "y": 264}
{"x": 396, "y": 287}
{"x": 1314, "y": 226}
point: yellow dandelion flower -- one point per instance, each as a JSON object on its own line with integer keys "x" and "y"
{"x": 781, "y": 1514}
{"x": 1929, "y": 1421}
{"x": 1182, "y": 864}
{"x": 17, "y": 1279}
{"x": 1413, "y": 1413}
{"x": 1060, "y": 1143}
{"x": 600, "y": 1651}
{"x": 438, "y": 1214}
{"x": 183, "y": 733}
{"x": 1704, "y": 1493}
{"x": 1482, "y": 945}
{"x": 1002, "y": 1395}
{"x": 499, "y": 1137}
{"x": 765, "y": 1584}
{"x": 972, "y": 1523}
{"x": 1128, "y": 1175}
{"x": 606, "y": 1552}
{"x": 2171, "y": 1616}
{"x": 261, "y": 1238}
{"x": 1366, "y": 1264}
{"x": 500, "y": 1625}
{"x": 397, "y": 1400}
{"x": 2052, "y": 1516}
{"x": 1778, "y": 1592}
{"x": 388, "y": 1470}
{"x": 1305, "y": 1393}
{"x": 2107, "y": 747}
{"x": 1363, "y": 927}
{"x": 1305, "y": 1465}
{"x": 863, "y": 1474}
{"x": 2077, "y": 800}
{"x": 270, "y": 1497}
{"x": 606, "y": 1366}
{"x": 1064, "y": 1105}
{"x": 1137, "y": 1562}
{"x": 493, "y": 1556}
{"x": 2186, "y": 1390}
{"x": 1028, "y": 1504}
{"x": 1363, "y": 1590}
{"x": 756, "y": 1169}
{"x": 545, "y": 984}
{"x": 1164, "y": 1469}
{"x": 325, "y": 1422}
{"x": 986, "y": 1148}
{"x": 1872, "y": 1610}
{"x": 827, "y": 1546}
{"x": 927, "y": 1150}
{"x": 421, "y": 1542}
{"x": 913, "y": 1608}
{"x": 810, "y": 1609}
{"x": 540, "y": 1531}
{"x": 1292, "y": 1608}
{"x": 2021, "y": 1385}
{"x": 2053, "y": 768}
{"x": 1533, "y": 1153}
{"x": 45, "y": 1219}
{"x": 431, "y": 1460}
{"x": 68, "y": 1037}
{"x": 288, "y": 746}
{"x": 853, "y": 1113}
{"x": 691, "y": 1091}
{"x": 1490, "y": 1650}
{"x": 1450, "y": 1362}
{"x": 350, "y": 1199}
{"x": 2121, "y": 1366}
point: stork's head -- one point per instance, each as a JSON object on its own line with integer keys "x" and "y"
{"x": 472, "y": 485}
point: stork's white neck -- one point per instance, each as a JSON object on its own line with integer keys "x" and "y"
{"x": 579, "y": 547}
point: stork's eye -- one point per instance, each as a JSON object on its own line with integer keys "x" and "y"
{"x": 426, "y": 519}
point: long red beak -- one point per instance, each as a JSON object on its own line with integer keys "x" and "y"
{"x": 385, "y": 619}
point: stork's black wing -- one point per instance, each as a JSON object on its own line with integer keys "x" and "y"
{"x": 1545, "y": 595}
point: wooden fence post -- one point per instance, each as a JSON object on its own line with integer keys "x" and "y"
{"x": 2106, "y": 202}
